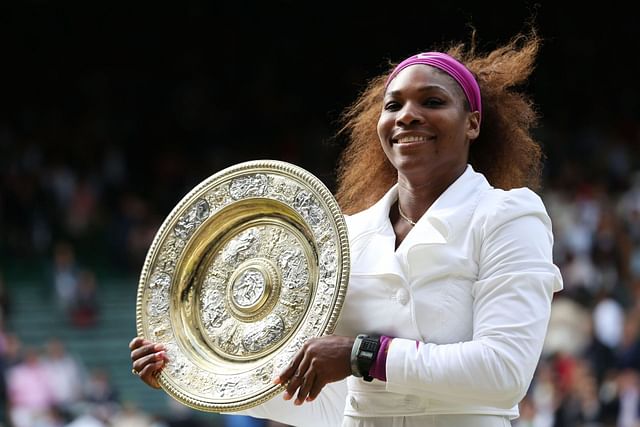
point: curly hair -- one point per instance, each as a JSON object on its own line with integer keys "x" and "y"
{"x": 505, "y": 152}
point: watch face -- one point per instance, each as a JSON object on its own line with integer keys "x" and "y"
{"x": 367, "y": 354}
{"x": 368, "y": 345}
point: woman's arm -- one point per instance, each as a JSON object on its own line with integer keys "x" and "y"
{"x": 511, "y": 309}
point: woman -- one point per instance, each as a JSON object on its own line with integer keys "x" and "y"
{"x": 451, "y": 277}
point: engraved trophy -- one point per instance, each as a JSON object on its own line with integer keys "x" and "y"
{"x": 248, "y": 266}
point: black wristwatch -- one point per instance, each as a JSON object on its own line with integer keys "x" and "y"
{"x": 363, "y": 355}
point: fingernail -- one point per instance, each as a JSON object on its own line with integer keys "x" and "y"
{"x": 286, "y": 396}
{"x": 158, "y": 347}
{"x": 276, "y": 380}
{"x": 161, "y": 355}
{"x": 298, "y": 402}
{"x": 310, "y": 399}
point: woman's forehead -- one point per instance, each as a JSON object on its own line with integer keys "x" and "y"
{"x": 421, "y": 76}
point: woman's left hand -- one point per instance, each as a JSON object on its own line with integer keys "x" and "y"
{"x": 320, "y": 361}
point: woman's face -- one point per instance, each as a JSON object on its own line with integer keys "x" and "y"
{"x": 424, "y": 127}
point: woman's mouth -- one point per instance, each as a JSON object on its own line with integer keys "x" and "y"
{"x": 409, "y": 139}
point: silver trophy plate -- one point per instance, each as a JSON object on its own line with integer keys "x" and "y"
{"x": 250, "y": 264}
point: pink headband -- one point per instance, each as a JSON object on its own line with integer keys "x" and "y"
{"x": 451, "y": 66}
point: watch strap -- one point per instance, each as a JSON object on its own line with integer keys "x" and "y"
{"x": 354, "y": 356}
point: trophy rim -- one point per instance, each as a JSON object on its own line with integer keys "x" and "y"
{"x": 333, "y": 213}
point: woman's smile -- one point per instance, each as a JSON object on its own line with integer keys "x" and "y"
{"x": 410, "y": 140}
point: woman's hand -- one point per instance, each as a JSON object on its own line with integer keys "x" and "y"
{"x": 148, "y": 359}
{"x": 320, "y": 361}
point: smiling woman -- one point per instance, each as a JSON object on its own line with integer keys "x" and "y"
{"x": 504, "y": 151}
{"x": 451, "y": 275}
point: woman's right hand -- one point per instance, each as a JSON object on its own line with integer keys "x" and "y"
{"x": 147, "y": 359}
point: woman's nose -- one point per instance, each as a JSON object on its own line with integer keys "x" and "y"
{"x": 408, "y": 114}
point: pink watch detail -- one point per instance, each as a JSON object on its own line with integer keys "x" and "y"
{"x": 379, "y": 368}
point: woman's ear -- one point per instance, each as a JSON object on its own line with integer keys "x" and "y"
{"x": 473, "y": 125}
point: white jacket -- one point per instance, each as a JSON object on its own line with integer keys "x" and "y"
{"x": 467, "y": 296}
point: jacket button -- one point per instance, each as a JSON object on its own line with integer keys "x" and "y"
{"x": 402, "y": 296}
{"x": 353, "y": 402}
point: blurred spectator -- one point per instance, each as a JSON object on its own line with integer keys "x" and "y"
{"x": 99, "y": 388}
{"x": 13, "y": 350}
{"x": 54, "y": 417}
{"x": 84, "y": 305}
{"x": 93, "y": 415}
{"x": 628, "y": 399}
{"x": 130, "y": 416}
{"x": 181, "y": 416}
{"x": 627, "y": 353}
{"x": 30, "y": 395}
{"x": 580, "y": 405}
{"x": 64, "y": 374}
{"x": 81, "y": 211}
{"x": 131, "y": 231}
{"x": 608, "y": 321}
{"x": 569, "y": 328}
{"x": 543, "y": 399}
{"x": 65, "y": 275}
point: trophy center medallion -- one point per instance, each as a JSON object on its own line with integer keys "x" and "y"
{"x": 252, "y": 289}
{"x": 248, "y": 288}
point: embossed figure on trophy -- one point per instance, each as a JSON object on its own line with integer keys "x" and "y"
{"x": 228, "y": 386}
{"x": 263, "y": 335}
{"x": 228, "y": 339}
{"x": 213, "y": 310}
{"x": 192, "y": 219}
{"x": 253, "y": 185}
{"x": 308, "y": 208}
{"x": 328, "y": 260}
{"x": 273, "y": 242}
{"x": 239, "y": 248}
{"x": 159, "y": 286}
{"x": 293, "y": 267}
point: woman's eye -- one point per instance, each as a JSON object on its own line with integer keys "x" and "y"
{"x": 392, "y": 106}
{"x": 433, "y": 102}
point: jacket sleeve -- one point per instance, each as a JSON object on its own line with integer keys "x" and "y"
{"x": 511, "y": 308}
{"x": 326, "y": 411}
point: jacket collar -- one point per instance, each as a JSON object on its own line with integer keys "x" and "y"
{"x": 450, "y": 213}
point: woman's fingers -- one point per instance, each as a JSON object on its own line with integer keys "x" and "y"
{"x": 147, "y": 360}
{"x": 144, "y": 349}
{"x": 316, "y": 388}
{"x": 307, "y": 381}
{"x": 298, "y": 367}
{"x": 136, "y": 342}
{"x": 319, "y": 361}
{"x": 290, "y": 370}
{"x": 149, "y": 372}
{"x": 143, "y": 362}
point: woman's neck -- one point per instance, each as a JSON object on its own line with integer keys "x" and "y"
{"x": 415, "y": 197}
